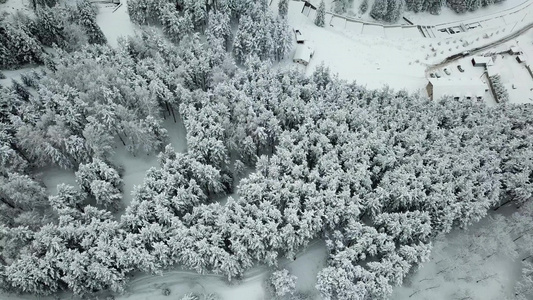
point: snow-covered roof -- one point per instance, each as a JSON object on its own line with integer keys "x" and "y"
{"x": 457, "y": 87}
{"x": 515, "y": 50}
{"x": 299, "y": 35}
{"x": 482, "y": 60}
{"x": 303, "y": 53}
{"x": 522, "y": 58}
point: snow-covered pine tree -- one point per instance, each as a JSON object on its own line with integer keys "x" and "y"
{"x": 219, "y": 27}
{"x": 17, "y": 45}
{"x": 379, "y": 9}
{"x": 394, "y": 10}
{"x": 283, "y": 8}
{"x": 283, "y": 37}
{"x": 282, "y": 283}
{"x": 67, "y": 197}
{"x": 84, "y": 14}
{"x": 50, "y": 26}
{"x": 101, "y": 181}
{"x": 320, "y": 19}
{"x": 459, "y": 6}
{"x": 363, "y": 7}
{"x": 342, "y": 6}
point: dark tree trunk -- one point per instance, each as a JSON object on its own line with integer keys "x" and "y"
{"x": 8, "y": 203}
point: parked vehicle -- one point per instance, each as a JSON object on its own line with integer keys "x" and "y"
{"x": 460, "y": 68}
{"x": 447, "y": 71}
{"x": 437, "y": 74}
{"x": 432, "y": 75}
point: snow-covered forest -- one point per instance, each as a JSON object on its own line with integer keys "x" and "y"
{"x": 377, "y": 175}
{"x": 391, "y": 10}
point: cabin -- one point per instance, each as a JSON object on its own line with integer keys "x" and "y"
{"x": 463, "y": 88}
{"x": 481, "y": 61}
{"x": 303, "y": 54}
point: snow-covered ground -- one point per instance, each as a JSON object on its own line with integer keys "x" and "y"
{"x": 447, "y": 15}
{"x": 12, "y": 6}
{"x": 371, "y": 60}
{"x": 115, "y": 22}
{"x": 134, "y": 167}
{"x": 493, "y": 279}
{"x": 305, "y": 267}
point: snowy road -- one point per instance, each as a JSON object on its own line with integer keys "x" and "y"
{"x": 306, "y": 266}
{"x": 478, "y": 50}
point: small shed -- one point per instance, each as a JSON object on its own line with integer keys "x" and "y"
{"x": 515, "y": 50}
{"x": 481, "y": 61}
{"x": 303, "y": 54}
{"x": 299, "y": 36}
{"x": 521, "y": 58}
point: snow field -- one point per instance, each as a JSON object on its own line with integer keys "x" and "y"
{"x": 115, "y": 23}
{"x": 373, "y": 61}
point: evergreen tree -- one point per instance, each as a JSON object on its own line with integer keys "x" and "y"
{"x": 283, "y": 8}
{"x": 282, "y": 283}
{"x": 320, "y": 19}
{"x": 379, "y": 9}
{"x": 342, "y": 6}
{"x": 363, "y": 7}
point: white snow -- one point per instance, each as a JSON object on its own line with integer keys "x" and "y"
{"x": 114, "y": 22}
{"x": 15, "y": 74}
{"x": 52, "y": 176}
{"x": 372, "y": 60}
{"x": 12, "y": 6}
{"x": 134, "y": 167}
{"x": 306, "y": 267}
{"x": 447, "y": 15}
{"x": 427, "y": 283}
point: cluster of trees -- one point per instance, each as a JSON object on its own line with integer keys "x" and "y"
{"x": 391, "y": 10}
{"x": 282, "y": 284}
{"x": 23, "y": 38}
{"x": 342, "y": 6}
{"x": 258, "y": 33}
{"x": 459, "y": 6}
{"x": 376, "y": 173}
{"x": 387, "y": 10}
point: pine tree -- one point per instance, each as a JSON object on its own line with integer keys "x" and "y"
{"x": 283, "y": 8}
{"x": 282, "y": 283}
{"x": 320, "y": 19}
{"x": 342, "y": 6}
{"x": 84, "y": 14}
{"x": 101, "y": 181}
{"x": 363, "y": 7}
{"x": 394, "y": 10}
{"x": 379, "y": 9}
